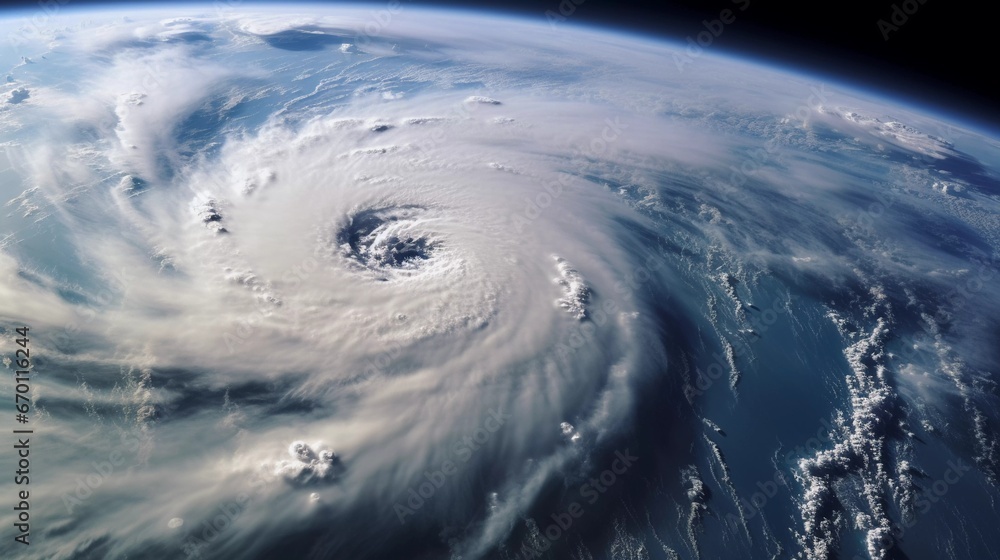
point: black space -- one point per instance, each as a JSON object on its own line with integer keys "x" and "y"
{"x": 942, "y": 56}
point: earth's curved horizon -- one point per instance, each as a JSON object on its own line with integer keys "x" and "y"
{"x": 354, "y": 282}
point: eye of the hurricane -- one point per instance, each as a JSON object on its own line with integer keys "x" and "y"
{"x": 388, "y": 239}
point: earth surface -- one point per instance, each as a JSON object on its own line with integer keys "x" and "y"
{"x": 381, "y": 282}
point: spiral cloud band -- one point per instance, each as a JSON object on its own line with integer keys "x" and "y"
{"x": 383, "y": 285}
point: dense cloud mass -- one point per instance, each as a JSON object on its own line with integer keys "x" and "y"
{"x": 400, "y": 283}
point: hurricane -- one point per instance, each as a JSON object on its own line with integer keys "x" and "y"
{"x": 339, "y": 282}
